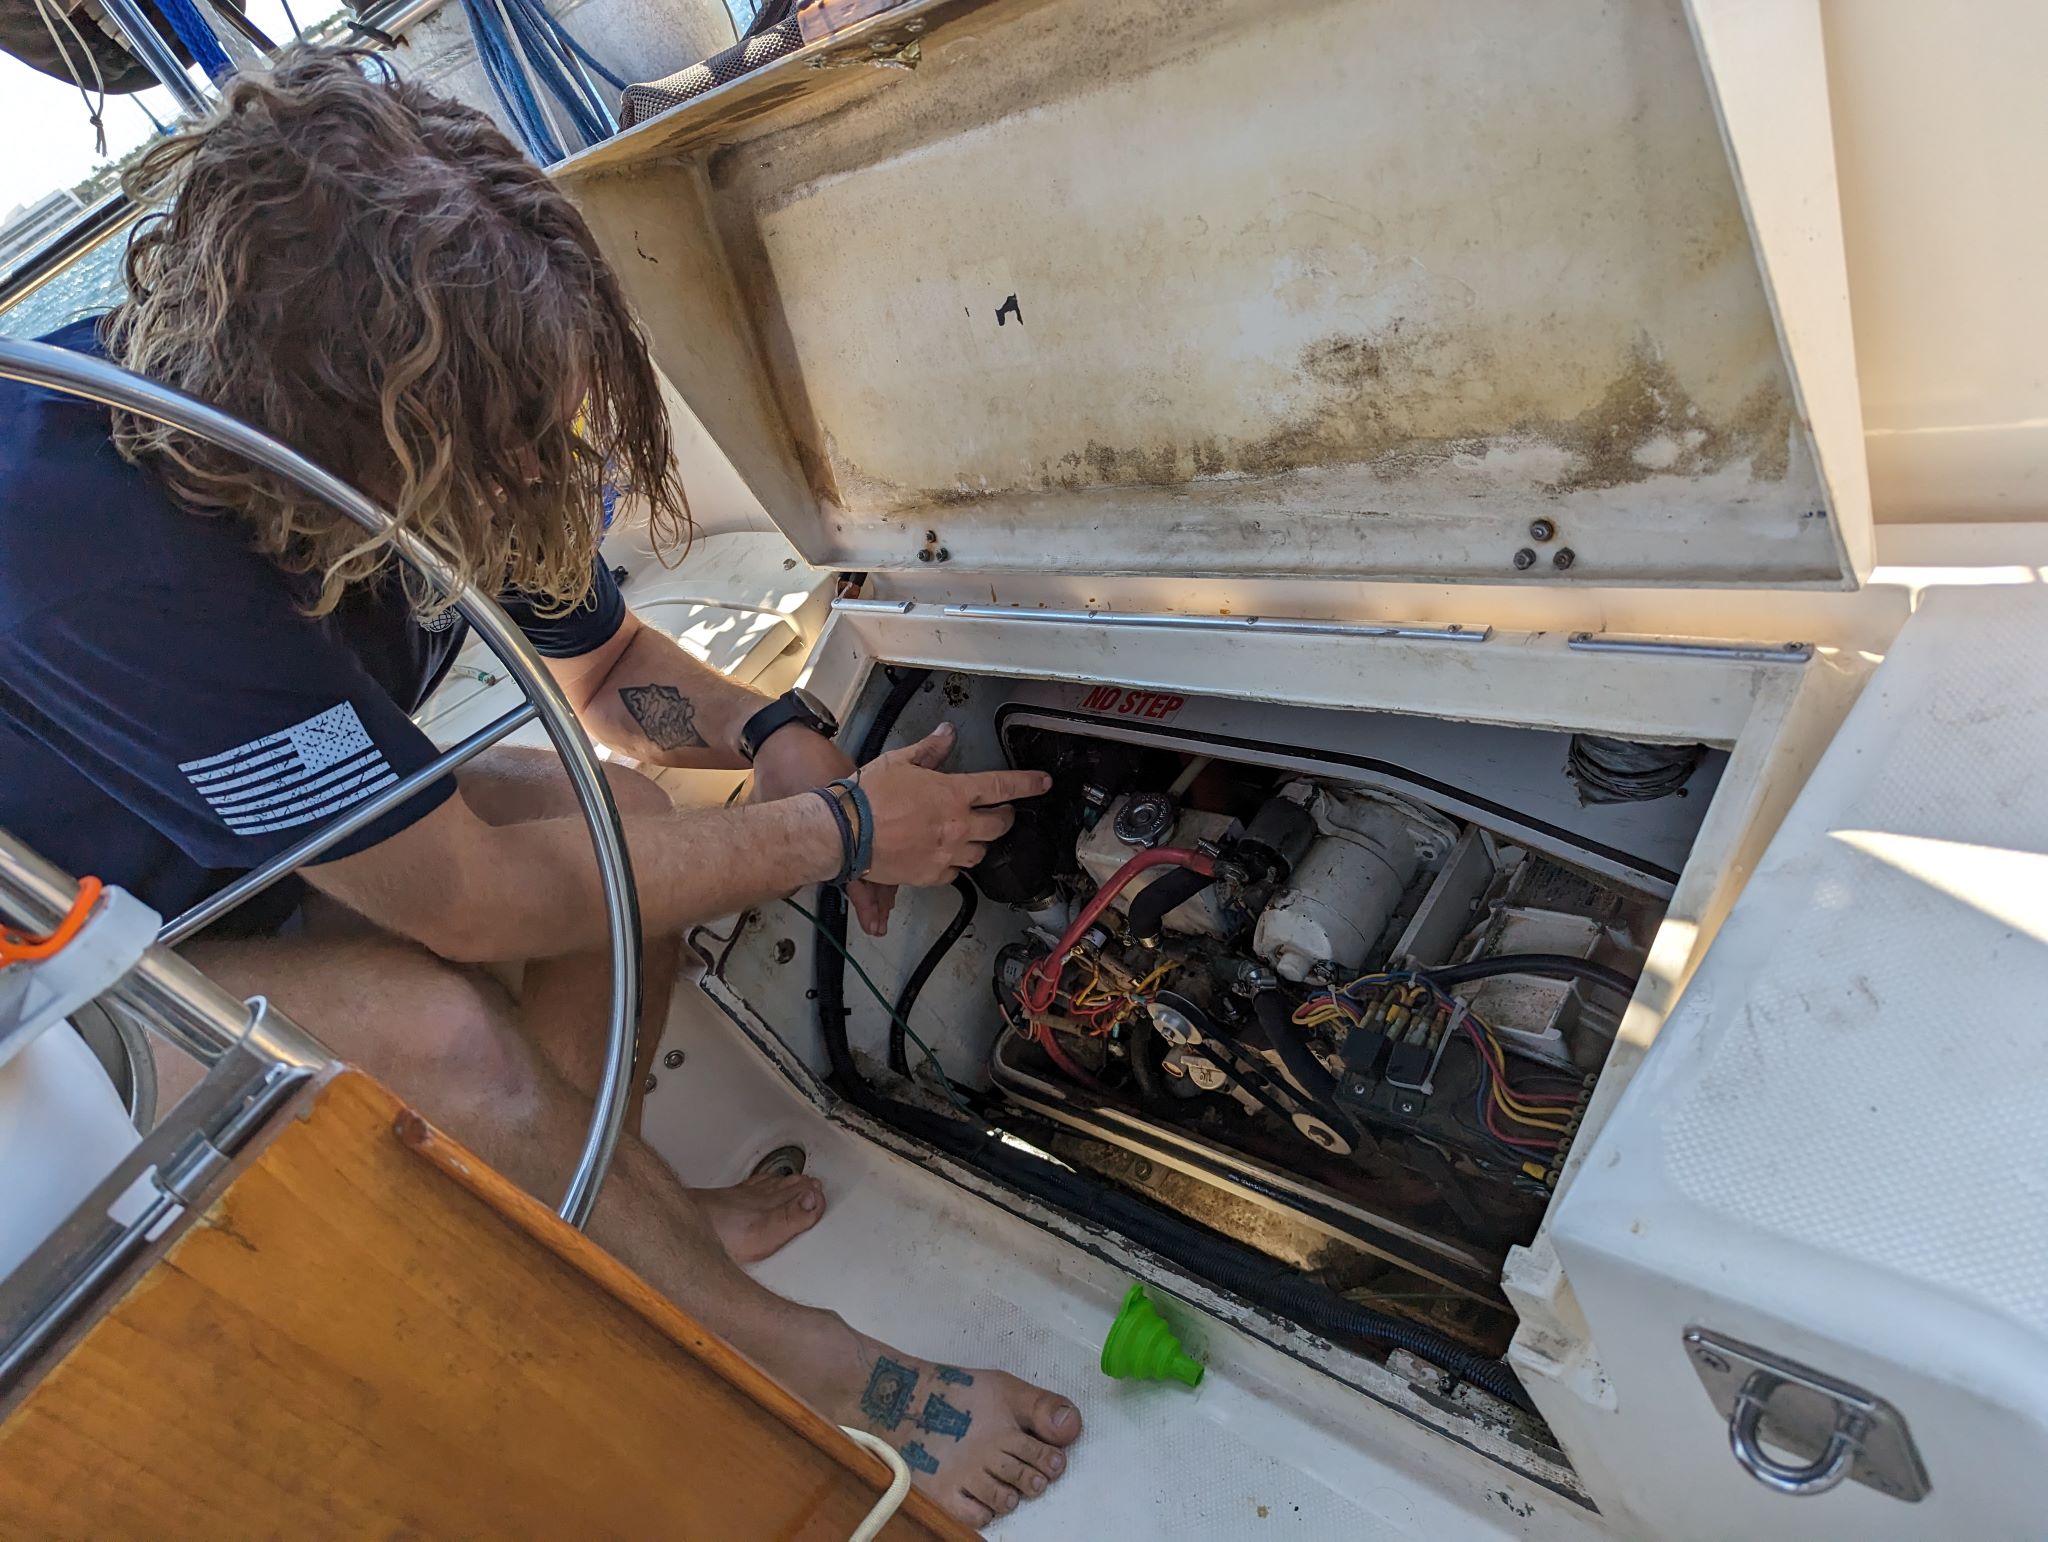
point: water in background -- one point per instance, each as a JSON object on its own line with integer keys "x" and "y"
{"x": 91, "y": 284}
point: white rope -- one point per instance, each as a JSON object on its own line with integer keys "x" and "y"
{"x": 892, "y": 1498}
{"x": 96, "y": 116}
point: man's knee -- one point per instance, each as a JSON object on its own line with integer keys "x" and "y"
{"x": 455, "y": 1026}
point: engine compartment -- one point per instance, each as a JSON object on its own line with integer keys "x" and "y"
{"x": 1401, "y": 1009}
{"x": 1309, "y": 1000}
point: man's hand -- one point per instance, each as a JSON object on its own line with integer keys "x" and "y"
{"x": 929, "y": 825}
{"x": 793, "y": 760}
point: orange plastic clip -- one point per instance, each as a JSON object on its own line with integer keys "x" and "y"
{"x": 21, "y": 948}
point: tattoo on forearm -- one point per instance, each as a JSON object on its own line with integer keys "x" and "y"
{"x": 665, "y": 715}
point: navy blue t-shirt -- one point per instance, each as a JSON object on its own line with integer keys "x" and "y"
{"x": 169, "y": 718}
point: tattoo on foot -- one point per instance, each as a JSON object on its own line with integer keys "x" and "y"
{"x": 665, "y": 715}
{"x": 887, "y": 1398}
{"x": 953, "y": 1375}
{"x": 942, "y": 1418}
{"x": 919, "y": 1459}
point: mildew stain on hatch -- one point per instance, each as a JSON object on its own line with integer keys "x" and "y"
{"x": 1357, "y": 396}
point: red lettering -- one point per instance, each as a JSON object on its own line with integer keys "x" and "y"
{"x": 1150, "y": 705}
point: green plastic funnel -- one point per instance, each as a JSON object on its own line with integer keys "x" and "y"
{"x": 1140, "y": 1346}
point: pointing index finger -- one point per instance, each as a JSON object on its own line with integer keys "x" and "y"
{"x": 987, "y": 787}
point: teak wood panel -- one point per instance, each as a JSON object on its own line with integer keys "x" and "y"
{"x": 371, "y": 1333}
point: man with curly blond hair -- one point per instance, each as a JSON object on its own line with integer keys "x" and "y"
{"x": 198, "y": 665}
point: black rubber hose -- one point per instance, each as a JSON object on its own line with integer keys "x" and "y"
{"x": 1560, "y": 965}
{"x": 1141, "y": 1049}
{"x": 1309, "y": 1073}
{"x": 1151, "y": 903}
{"x": 1235, "y": 1267}
{"x": 903, "y": 684}
{"x": 828, "y": 968}
{"x": 899, "y": 1060}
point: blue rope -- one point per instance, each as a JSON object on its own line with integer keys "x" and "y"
{"x": 542, "y": 39}
{"x": 197, "y": 37}
{"x": 507, "y": 77}
{"x": 616, "y": 82}
{"x": 525, "y": 50}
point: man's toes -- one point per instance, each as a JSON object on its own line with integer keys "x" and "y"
{"x": 985, "y": 1488}
{"x": 1041, "y": 1462}
{"x": 1028, "y": 1481}
{"x": 1052, "y": 1418}
{"x": 964, "y": 1506}
{"x": 806, "y": 1202}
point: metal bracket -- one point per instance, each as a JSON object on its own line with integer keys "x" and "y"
{"x": 1835, "y": 1430}
{"x": 1673, "y": 647}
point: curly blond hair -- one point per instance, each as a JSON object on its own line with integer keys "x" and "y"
{"x": 378, "y": 277}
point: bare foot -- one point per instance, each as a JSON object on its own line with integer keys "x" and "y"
{"x": 756, "y": 1217}
{"x": 979, "y": 1442}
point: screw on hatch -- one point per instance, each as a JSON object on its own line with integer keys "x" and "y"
{"x": 672, "y": 1059}
{"x": 1524, "y": 560}
{"x": 1541, "y": 530}
{"x": 1563, "y": 558}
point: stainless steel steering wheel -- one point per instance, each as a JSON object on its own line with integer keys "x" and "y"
{"x": 80, "y": 375}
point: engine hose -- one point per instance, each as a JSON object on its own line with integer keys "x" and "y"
{"x": 1201, "y": 1252}
{"x": 828, "y": 968}
{"x": 1149, "y": 906}
{"x": 903, "y": 684}
{"x": 1558, "y": 965}
{"x": 1141, "y": 1048}
{"x": 1309, "y": 1074}
{"x": 899, "y": 1061}
{"x": 1041, "y": 981}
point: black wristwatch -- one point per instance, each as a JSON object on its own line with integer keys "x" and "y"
{"x": 795, "y": 706}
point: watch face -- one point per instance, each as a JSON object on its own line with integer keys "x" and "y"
{"x": 816, "y": 707}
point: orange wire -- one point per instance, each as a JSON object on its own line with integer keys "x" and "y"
{"x": 23, "y": 948}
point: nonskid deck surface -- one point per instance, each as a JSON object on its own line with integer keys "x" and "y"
{"x": 1263, "y": 1448}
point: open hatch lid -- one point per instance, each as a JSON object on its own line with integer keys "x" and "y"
{"x": 1333, "y": 288}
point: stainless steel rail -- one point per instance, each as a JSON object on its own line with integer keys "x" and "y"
{"x": 96, "y": 380}
{"x": 148, "y": 45}
{"x": 165, "y": 991}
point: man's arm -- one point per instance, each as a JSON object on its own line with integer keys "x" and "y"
{"x": 645, "y": 696}
{"x": 641, "y": 693}
{"x": 474, "y": 892}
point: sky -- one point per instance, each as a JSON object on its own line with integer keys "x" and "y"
{"x": 46, "y": 141}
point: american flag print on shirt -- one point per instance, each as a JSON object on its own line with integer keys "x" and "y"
{"x": 293, "y": 777}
